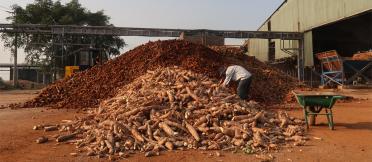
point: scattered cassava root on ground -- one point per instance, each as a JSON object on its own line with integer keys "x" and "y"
{"x": 172, "y": 108}
{"x": 41, "y": 140}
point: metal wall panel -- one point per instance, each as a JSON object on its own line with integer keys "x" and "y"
{"x": 314, "y": 13}
{"x": 259, "y": 47}
{"x": 286, "y": 19}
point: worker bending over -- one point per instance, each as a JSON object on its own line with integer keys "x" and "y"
{"x": 237, "y": 73}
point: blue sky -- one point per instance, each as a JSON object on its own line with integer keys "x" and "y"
{"x": 188, "y": 14}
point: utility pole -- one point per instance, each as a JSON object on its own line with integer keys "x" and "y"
{"x": 15, "y": 67}
{"x": 54, "y": 56}
{"x": 54, "y": 61}
{"x": 63, "y": 37}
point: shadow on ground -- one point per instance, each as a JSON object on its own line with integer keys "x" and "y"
{"x": 355, "y": 126}
{"x": 359, "y": 125}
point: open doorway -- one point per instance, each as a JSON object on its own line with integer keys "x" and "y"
{"x": 347, "y": 37}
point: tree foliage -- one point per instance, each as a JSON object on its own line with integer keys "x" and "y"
{"x": 43, "y": 49}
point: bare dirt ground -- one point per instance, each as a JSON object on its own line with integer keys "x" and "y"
{"x": 350, "y": 141}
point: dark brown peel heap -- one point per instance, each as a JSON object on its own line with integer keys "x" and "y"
{"x": 88, "y": 88}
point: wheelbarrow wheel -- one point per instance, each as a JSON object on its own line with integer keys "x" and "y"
{"x": 314, "y": 109}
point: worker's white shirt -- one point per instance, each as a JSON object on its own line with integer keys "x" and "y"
{"x": 236, "y": 73}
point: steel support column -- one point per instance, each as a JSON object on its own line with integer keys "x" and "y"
{"x": 301, "y": 61}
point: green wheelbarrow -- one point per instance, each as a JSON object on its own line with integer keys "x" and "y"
{"x": 313, "y": 103}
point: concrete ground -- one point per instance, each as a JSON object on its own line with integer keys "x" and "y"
{"x": 350, "y": 141}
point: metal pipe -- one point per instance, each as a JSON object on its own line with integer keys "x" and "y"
{"x": 300, "y": 61}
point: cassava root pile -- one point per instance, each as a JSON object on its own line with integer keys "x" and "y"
{"x": 172, "y": 108}
{"x": 87, "y": 89}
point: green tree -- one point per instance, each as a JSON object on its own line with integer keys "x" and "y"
{"x": 43, "y": 49}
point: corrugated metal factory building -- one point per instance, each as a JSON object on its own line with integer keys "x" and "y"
{"x": 342, "y": 25}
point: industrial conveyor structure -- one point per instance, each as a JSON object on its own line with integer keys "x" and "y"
{"x": 147, "y": 32}
{"x": 60, "y": 32}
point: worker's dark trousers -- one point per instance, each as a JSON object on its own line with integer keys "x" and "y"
{"x": 243, "y": 88}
